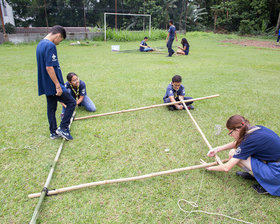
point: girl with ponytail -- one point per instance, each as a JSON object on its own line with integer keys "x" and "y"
{"x": 256, "y": 149}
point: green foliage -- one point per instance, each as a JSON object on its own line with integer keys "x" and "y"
{"x": 125, "y": 35}
{"x": 9, "y": 28}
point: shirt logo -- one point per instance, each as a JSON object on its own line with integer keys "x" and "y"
{"x": 171, "y": 91}
{"x": 54, "y": 57}
{"x": 83, "y": 91}
{"x": 237, "y": 151}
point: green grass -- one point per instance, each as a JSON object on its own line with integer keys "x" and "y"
{"x": 124, "y": 145}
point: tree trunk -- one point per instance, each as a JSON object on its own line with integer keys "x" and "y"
{"x": 166, "y": 16}
{"x": 215, "y": 20}
{"x": 186, "y": 16}
{"x": 181, "y": 16}
{"x": 278, "y": 24}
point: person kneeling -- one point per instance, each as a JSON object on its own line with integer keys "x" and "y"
{"x": 77, "y": 89}
{"x": 176, "y": 92}
{"x": 185, "y": 49}
{"x": 256, "y": 149}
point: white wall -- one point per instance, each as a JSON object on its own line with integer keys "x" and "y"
{"x": 7, "y": 12}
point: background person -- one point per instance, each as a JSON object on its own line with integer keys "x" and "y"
{"x": 144, "y": 46}
{"x": 255, "y": 149}
{"x": 175, "y": 92}
{"x": 185, "y": 49}
{"x": 278, "y": 37}
{"x": 170, "y": 38}
{"x": 77, "y": 89}
{"x": 50, "y": 82}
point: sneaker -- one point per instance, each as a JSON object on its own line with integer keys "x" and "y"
{"x": 190, "y": 107}
{"x": 64, "y": 133}
{"x": 245, "y": 175}
{"x": 54, "y": 136}
{"x": 258, "y": 188}
{"x": 171, "y": 108}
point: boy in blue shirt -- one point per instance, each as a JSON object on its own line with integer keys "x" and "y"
{"x": 50, "y": 82}
{"x": 144, "y": 46}
{"x": 176, "y": 92}
{"x": 170, "y": 38}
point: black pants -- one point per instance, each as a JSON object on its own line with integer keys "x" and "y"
{"x": 169, "y": 46}
{"x": 69, "y": 101}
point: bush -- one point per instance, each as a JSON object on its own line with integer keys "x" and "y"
{"x": 10, "y": 28}
{"x": 245, "y": 27}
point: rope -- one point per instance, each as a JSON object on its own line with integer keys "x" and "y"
{"x": 194, "y": 205}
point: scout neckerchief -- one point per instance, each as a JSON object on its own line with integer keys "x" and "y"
{"x": 77, "y": 93}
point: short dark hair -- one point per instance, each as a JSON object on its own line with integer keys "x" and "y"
{"x": 70, "y": 76}
{"x": 176, "y": 78}
{"x": 146, "y": 38}
{"x": 59, "y": 29}
{"x": 171, "y": 21}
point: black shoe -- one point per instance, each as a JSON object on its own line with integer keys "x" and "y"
{"x": 64, "y": 133}
{"x": 171, "y": 108}
{"x": 258, "y": 188}
{"x": 190, "y": 107}
{"x": 245, "y": 175}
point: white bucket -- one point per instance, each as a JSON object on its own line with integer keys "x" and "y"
{"x": 115, "y": 47}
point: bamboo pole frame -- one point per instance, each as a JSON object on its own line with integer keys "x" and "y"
{"x": 128, "y": 179}
{"x": 200, "y": 131}
{"x": 45, "y": 189}
{"x": 145, "y": 108}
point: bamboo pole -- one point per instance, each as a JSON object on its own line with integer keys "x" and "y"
{"x": 45, "y": 189}
{"x": 144, "y": 108}
{"x": 128, "y": 179}
{"x": 200, "y": 131}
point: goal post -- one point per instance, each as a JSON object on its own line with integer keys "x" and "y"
{"x": 124, "y": 14}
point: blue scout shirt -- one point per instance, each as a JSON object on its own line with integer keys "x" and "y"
{"x": 187, "y": 49}
{"x": 171, "y": 31}
{"x": 47, "y": 56}
{"x": 172, "y": 92}
{"x": 262, "y": 144}
{"x": 143, "y": 43}
{"x": 82, "y": 89}
{"x": 279, "y": 32}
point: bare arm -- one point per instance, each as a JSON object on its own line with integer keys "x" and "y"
{"x": 80, "y": 99}
{"x": 53, "y": 77}
{"x": 225, "y": 167}
{"x": 214, "y": 151}
{"x": 176, "y": 36}
{"x": 172, "y": 99}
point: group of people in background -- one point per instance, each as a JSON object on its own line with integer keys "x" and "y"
{"x": 184, "y": 50}
{"x": 256, "y": 149}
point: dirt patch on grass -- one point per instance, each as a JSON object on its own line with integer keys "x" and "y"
{"x": 255, "y": 43}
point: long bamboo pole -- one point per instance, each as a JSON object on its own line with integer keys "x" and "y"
{"x": 200, "y": 131}
{"x": 144, "y": 108}
{"x": 45, "y": 189}
{"x": 104, "y": 182}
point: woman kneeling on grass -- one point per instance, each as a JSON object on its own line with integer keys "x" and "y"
{"x": 185, "y": 49}
{"x": 256, "y": 149}
{"x": 77, "y": 89}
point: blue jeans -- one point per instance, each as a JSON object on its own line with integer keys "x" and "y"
{"x": 167, "y": 100}
{"x": 169, "y": 46}
{"x": 148, "y": 49}
{"x": 87, "y": 103}
{"x": 68, "y": 100}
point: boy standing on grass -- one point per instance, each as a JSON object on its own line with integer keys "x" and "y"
{"x": 50, "y": 82}
{"x": 176, "y": 92}
{"x": 170, "y": 38}
{"x": 144, "y": 46}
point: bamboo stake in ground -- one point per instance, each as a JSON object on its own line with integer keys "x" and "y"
{"x": 198, "y": 128}
{"x": 104, "y": 182}
{"x": 45, "y": 189}
{"x": 144, "y": 108}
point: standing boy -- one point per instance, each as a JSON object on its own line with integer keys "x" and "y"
{"x": 144, "y": 46}
{"x": 170, "y": 38}
{"x": 50, "y": 82}
{"x": 176, "y": 92}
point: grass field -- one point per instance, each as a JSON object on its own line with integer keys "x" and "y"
{"x": 131, "y": 144}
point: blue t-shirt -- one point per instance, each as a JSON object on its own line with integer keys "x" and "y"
{"x": 279, "y": 32}
{"x": 47, "y": 56}
{"x": 172, "y": 92}
{"x": 143, "y": 43}
{"x": 82, "y": 89}
{"x": 263, "y": 144}
{"x": 187, "y": 49}
{"x": 172, "y": 30}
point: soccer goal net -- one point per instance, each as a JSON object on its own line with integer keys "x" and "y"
{"x": 132, "y": 22}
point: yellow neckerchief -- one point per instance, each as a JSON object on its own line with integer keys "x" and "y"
{"x": 253, "y": 129}
{"x": 77, "y": 93}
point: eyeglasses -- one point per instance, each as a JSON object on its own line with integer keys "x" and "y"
{"x": 231, "y": 131}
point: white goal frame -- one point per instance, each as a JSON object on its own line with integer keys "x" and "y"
{"x": 124, "y": 14}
